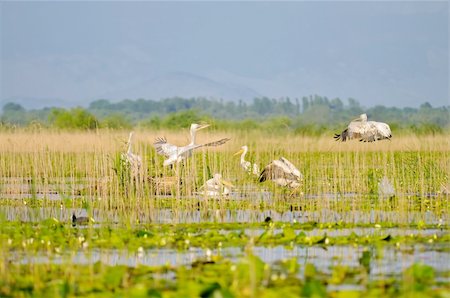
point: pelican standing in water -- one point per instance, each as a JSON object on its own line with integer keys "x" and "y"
{"x": 246, "y": 165}
{"x": 385, "y": 188}
{"x": 282, "y": 172}
{"x": 366, "y": 131}
{"x": 216, "y": 186}
{"x": 132, "y": 160}
{"x": 176, "y": 154}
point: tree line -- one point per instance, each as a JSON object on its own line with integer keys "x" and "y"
{"x": 309, "y": 115}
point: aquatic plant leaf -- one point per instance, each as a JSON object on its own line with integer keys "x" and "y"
{"x": 314, "y": 289}
{"x": 339, "y": 274}
{"x": 419, "y": 277}
{"x": 114, "y": 276}
{"x": 214, "y": 290}
{"x": 251, "y": 267}
{"x": 266, "y": 235}
{"x": 152, "y": 293}
{"x": 288, "y": 233}
{"x": 365, "y": 260}
{"x": 310, "y": 271}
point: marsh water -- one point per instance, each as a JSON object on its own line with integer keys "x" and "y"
{"x": 388, "y": 260}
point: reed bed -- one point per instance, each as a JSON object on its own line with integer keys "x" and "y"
{"x": 81, "y": 170}
{"x": 157, "y": 214}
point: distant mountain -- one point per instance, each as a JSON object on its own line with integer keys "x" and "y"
{"x": 185, "y": 85}
{"x": 31, "y": 103}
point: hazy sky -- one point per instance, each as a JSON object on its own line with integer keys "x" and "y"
{"x": 390, "y": 53}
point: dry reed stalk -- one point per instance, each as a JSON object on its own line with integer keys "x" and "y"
{"x": 340, "y": 175}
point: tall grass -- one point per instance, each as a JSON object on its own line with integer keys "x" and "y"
{"x": 78, "y": 170}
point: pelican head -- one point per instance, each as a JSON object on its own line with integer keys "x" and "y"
{"x": 242, "y": 150}
{"x": 218, "y": 178}
{"x": 196, "y": 127}
{"x": 362, "y": 118}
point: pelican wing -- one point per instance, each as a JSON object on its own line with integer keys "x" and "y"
{"x": 176, "y": 154}
{"x": 134, "y": 159}
{"x": 164, "y": 148}
{"x": 376, "y": 131}
{"x": 354, "y": 130}
{"x": 216, "y": 143}
{"x": 292, "y": 168}
{"x": 280, "y": 172}
{"x": 365, "y": 131}
{"x": 186, "y": 151}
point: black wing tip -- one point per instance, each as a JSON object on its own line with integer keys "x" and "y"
{"x": 263, "y": 176}
{"x": 159, "y": 140}
{"x": 216, "y": 143}
{"x": 342, "y": 136}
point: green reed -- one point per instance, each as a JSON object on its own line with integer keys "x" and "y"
{"x": 86, "y": 172}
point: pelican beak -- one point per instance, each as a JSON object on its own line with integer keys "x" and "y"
{"x": 226, "y": 183}
{"x": 239, "y": 152}
{"x": 202, "y": 126}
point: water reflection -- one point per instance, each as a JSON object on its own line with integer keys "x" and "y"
{"x": 385, "y": 261}
{"x": 161, "y": 216}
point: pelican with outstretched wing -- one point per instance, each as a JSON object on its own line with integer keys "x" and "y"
{"x": 365, "y": 131}
{"x": 130, "y": 159}
{"x": 176, "y": 154}
{"x": 282, "y": 172}
{"x": 245, "y": 164}
{"x": 216, "y": 186}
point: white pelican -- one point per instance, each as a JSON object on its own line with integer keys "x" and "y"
{"x": 282, "y": 172}
{"x": 385, "y": 188}
{"x": 216, "y": 186}
{"x": 134, "y": 161}
{"x": 176, "y": 154}
{"x": 367, "y": 131}
{"x": 246, "y": 165}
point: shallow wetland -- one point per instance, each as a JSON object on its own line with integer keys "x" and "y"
{"x": 339, "y": 235}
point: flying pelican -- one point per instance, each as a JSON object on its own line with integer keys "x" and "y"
{"x": 282, "y": 172}
{"x": 246, "y": 165}
{"x": 132, "y": 160}
{"x": 176, "y": 154}
{"x": 367, "y": 131}
{"x": 216, "y": 186}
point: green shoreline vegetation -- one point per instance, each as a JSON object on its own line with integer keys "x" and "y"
{"x": 313, "y": 115}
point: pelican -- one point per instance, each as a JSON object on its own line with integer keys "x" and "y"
{"x": 367, "y": 131}
{"x": 385, "y": 188}
{"x": 246, "y": 165}
{"x": 216, "y": 186}
{"x": 176, "y": 154}
{"x": 282, "y": 172}
{"x": 132, "y": 160}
